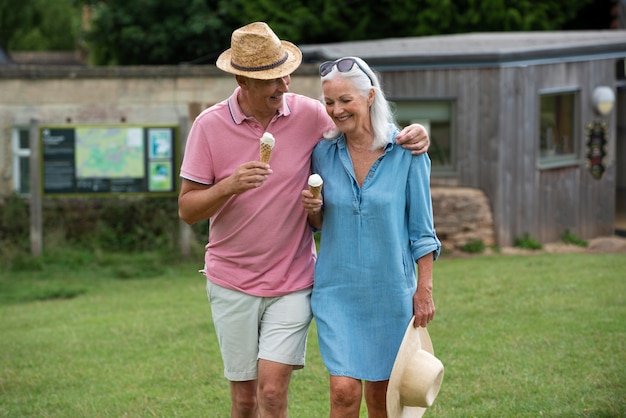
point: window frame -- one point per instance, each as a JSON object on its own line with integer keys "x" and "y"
{"x": 564, "y": 160}
{"x": 18, "y": 154}
{"x": 436, "y": 170}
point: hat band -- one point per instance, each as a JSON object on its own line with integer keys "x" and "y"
{"x": 261, "y": 68}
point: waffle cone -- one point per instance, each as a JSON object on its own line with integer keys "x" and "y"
{"x": 266, "y": 153}
{"x": 316, "y": 191}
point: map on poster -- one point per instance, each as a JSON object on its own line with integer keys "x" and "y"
{"x": 109, "y": 152}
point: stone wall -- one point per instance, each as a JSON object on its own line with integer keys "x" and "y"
{"x": 462, "y": 215}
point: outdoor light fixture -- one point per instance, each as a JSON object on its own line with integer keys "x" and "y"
{"x": 603, "y": 100}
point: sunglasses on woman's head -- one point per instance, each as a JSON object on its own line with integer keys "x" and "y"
{"x": 343, "y": 65}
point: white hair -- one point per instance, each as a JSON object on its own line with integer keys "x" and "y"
{"x": 364, "y": 79}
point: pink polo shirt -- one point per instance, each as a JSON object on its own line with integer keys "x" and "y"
{"x": 259, "y": 241}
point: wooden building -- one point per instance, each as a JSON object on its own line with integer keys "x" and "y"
{"x": 513, "y": 114}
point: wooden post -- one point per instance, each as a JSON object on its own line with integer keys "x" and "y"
{"x": 36, "y": 234}
{"x": 185, "y": 230}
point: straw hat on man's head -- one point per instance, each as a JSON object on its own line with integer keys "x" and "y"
{"x": 416, "y": 375}
{"x": 256, "y": 52}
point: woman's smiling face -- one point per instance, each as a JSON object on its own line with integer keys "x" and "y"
{"x": 346, "y": 105}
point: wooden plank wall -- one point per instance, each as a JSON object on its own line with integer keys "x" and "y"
{"x": 569, "y": 198}
{"x": 496, "y": 122}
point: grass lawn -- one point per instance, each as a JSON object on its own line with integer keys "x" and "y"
{"x": 519, "y": 336}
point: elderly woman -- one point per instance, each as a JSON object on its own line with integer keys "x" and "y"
{"x": 376, "y": 222}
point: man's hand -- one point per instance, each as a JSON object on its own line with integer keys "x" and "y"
{"x": 248, "y": 176}
{"x": 197, "y": 202}
{"x": 415, "y": 138}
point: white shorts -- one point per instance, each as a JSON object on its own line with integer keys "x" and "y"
{"x": 250, "y": 328}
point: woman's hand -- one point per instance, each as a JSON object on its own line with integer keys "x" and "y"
{"x": 423, "y": 307}
{"x": 313, "y": 208}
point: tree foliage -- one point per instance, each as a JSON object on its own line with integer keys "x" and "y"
{"x": 158, "y": 31}
{"x": 320, "y": 21}
{"x": 131, "y": 32}
{"x": 14, "y": 19}
{"x": 39, "y": 25}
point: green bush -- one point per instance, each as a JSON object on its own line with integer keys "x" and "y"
{"x": 569, "y": 238}
{"x": 14, "y": 223}
{"x": 474, "y": 246}
{"x": 110, "y": 225}
{"x": 527, "y": 242}
{"x": 124, "y": 224}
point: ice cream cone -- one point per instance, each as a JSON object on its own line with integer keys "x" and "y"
{"x": 266, "y": 147}
{"x": 266, "y": 153}
{"x": 315, "y": 185}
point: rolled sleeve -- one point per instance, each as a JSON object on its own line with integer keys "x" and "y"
{"x": 421, "y": 224}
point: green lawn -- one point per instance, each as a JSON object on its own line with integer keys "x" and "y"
{"x": 519, "y": 336}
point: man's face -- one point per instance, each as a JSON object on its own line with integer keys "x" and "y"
{"x": 266, "y": 95}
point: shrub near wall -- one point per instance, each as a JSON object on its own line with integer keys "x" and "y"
{"x": 126, "y": 225}
{"x": 14, "y": 224}
{"x": 135, "y": 224}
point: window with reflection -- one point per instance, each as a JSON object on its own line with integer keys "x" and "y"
{"x": 436, "y": 116}
{"x": 557, "y": 127}
{"x": 21, "y": 160}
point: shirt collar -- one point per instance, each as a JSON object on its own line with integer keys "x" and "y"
{"x": 237, "y": 113}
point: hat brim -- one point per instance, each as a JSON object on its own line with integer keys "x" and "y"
{"x": 294, "y": 59}
{"x": 395, "y": 409}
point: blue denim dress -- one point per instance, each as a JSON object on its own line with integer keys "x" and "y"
{"x": 371, "y": 238}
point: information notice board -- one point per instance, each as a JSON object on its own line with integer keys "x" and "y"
{"x": 109, "y": 159}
